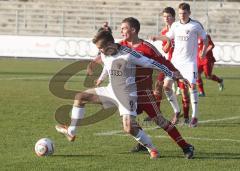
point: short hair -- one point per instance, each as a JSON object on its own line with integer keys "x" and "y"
{"x": 104, "y": 36}
{"x": 133, "y": 22}
{"x": 169, "y": 10}
{"x": 184, "y": 6}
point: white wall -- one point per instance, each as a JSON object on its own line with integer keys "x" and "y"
{"x": 82, "y": 48}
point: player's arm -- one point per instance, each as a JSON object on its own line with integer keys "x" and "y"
{"x": 145, "y": 62}
{"x": 93, "y": 64}
{"x": 203, "y": 35}
{"x": 165, "y": 39}
{"x": 102, "y": 77}
{"x": 210, "y": 44}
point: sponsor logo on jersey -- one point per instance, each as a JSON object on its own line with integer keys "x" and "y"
{"x": 116, "y": 72}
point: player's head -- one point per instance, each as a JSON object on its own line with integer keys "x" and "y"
{"x": 184, "y": 12}
{"x": 105, "y": 42}
{"x": 129, "y": 28}
{"x": 168, "y": 15}
{"x": 105, "y": 27}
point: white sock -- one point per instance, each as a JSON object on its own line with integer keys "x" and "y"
{"x": 172, "y": 98}
{"x": 143, "y": 139}
{"x": 77, "y": 114}
{"x": 194, "y": 103}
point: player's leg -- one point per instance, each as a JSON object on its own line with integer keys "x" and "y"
{"x": 172, "y": 98}
{"x": 208, "y": 73}
{"x": 200, "y": 81}
{"x": 175, "y": 135}
{"x": 185, "y": 101}
{"x": 77, "y": 113}
{"x": 131, "y": 127}
{"x": 194, "y": 104}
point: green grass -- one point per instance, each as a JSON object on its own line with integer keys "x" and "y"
{"x": 27, "y": 114}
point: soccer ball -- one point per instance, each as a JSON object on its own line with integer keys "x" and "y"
{"x": 44, "y": 147}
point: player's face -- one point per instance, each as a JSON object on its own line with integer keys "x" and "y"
{"x": 108, "y": 48}
{"x": 127, "y": 32}
{"x": 183, "y": 15}
{"x": 168, "y": 18}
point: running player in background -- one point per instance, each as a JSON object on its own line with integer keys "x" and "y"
{"x": 185, "y": 34}
{"x": 206, "y": 65}
{"x": 169, "y": 18}
{"x": 120, "y": 65}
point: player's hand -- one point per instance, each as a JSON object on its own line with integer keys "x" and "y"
{"x": 177, "y": 75}
{"x": 203, "y": 54}
{"x": 153, "y": 38}
{"x": 98, "y": 83}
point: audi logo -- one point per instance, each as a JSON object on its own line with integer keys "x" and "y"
{"x": 75, "y": 48}
{"x": 227, "y": 53}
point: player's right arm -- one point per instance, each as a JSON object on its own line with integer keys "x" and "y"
{"x": 102, "y": 77}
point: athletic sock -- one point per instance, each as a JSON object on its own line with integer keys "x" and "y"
{"x": 185, "y": 103}
{"x": 175, "y": 135}
{"x": 194, "y": 102}
{"x": 77, "y": 114}
{"x": 143, "y": 139}
{"x": 215, "y": 78}
{"x": 172, "y": 98}
{"x": 200, "y": 85}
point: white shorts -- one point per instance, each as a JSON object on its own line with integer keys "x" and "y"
{"x": 127, "y": 105}
{"x": 188, "y": 71}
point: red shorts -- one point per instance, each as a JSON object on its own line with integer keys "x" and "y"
{"x": 147, "y": 103}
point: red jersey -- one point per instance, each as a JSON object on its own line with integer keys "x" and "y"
{"x": 170, "y": 52}
{"x": 144, "y": 75}
{"x": 209, "y": 56}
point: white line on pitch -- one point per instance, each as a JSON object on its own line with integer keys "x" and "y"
{"x": 115, "y": 132}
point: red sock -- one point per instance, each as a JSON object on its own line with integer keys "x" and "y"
{"x": 185, "y": 104}
{"x": 200, "y": 85}
{"x": 215, "y": 78}
{"x": 175, "y": 135}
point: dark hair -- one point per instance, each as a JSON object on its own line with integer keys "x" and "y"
{"x": 184, "y": 6}
{"x": 104, "y": 36}
{"x": 133, "y": 22}
{"x": 169, "y": 10}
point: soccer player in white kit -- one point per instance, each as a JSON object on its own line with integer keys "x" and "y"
{"x": 120, "y": 65}
{"x": 185, "y": 33}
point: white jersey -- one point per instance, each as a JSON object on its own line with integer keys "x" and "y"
{"x": 121, "y": 69}
{"x": 186, "y": 41}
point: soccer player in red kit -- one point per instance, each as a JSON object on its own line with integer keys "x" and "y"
{"x": 130, "y": 28}
{"x": 206, "y": 65}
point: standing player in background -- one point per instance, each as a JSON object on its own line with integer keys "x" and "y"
{"x": 169, "y": 18}
{"x": 185, "y": 34}
{"x": 206, "y": 65}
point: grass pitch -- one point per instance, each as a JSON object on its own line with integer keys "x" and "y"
{"x": 27, "y": 114}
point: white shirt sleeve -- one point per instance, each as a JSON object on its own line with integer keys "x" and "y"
{"x": 104, "y": 74}
{"x": 201, "y": 32}
{"x": 145, "y": 62}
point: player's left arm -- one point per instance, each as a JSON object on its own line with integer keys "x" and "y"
{"x": 202, "y": 33}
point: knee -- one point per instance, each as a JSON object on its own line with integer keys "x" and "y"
{"x": 78, "y": 99}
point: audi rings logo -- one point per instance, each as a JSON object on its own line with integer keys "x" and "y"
{"x": 76, "y": 48}
{"x": 227, "y": 53}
